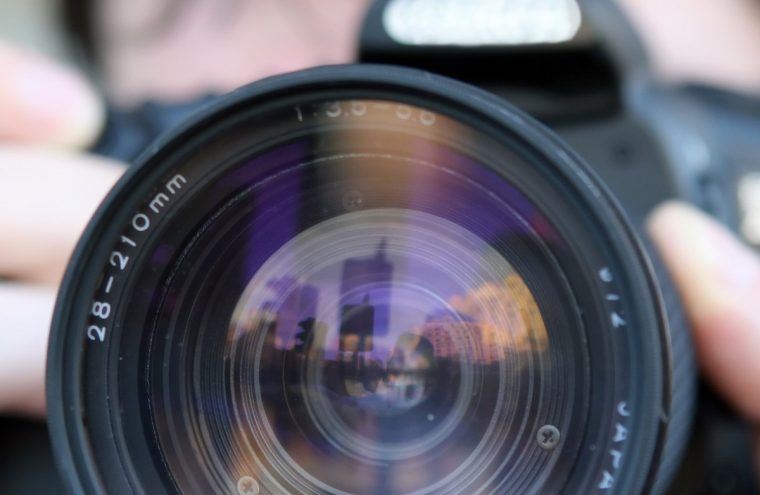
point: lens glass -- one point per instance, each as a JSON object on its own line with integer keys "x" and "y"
{"x": 361, "y": 304}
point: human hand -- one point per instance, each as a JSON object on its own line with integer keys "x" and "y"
{"x": 719, "y": 282}
{"x": 48, "y": 191}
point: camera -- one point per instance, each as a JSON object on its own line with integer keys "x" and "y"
{"x": 373, "y": 279}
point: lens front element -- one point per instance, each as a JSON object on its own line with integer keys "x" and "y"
{"x": 384, "y": 343}
{"x": 357, "y": 280}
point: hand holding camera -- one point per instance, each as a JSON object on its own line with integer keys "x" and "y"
{"x": 49, "y": 190}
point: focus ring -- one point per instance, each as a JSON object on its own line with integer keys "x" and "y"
{"x": 683, "y": 378}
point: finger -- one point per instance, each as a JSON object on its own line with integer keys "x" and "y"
{"x": 719, "y": 281}
{"x": 25, "y": 314}
{"x": 46, "y": 199}
{"x": 45, "y": 103}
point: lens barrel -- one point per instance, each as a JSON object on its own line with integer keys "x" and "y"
{"x": 365, "y": 279}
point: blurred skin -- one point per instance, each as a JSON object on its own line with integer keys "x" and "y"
{"x": 712, "y": 41}
{"x": 227, "y": 53}
{"x": 49, "y": 114}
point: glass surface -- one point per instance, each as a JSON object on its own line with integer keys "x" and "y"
{"x": 367, "y": 317}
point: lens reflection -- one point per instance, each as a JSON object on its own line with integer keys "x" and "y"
{"x": 362, "y": 323}
{"x": 386, "y": 342}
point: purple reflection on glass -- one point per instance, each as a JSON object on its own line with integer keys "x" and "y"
{"x": 363, "y": 285}
{"x": 426, "y": 187}
{"x": 277, "y": 212}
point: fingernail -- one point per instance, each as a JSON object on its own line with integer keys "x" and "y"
{"x": 60, "y": 107}
{"x": 700, "y": 244}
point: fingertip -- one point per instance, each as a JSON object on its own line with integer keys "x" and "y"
{"x": 710, "y": 264}
{"x": 46, "y": 103}
{"x": 718, "y": 278}
{"x": 665, "y": 215}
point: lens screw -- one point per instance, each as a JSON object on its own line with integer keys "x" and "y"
{"x": 248, "y": 486}
{"x": 353, "y": 200}
{"x": 548, "y": 437}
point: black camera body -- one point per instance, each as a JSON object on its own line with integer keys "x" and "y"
{"x": 592, "y": 87}
{"x": 649, "y": 143}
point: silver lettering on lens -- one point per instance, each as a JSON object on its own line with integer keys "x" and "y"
{"x": 403, "y": 112}
{"x": 607, "y": 481}
{"x": 333, "y": 109}
{"x": 605, "y": 275}
{"x": 358, "y": 108}
{"x": 621, "y": 432}
{"x": 619, "y": 438}
{"x": 427, "y": 118}
{"x": 616, "y": 318}
{"x": 175, "y": 184}
{"x": 172, "y": 186}
{"x": 119, "y": 260}
{"x": 749, "y": 203}
{"x": 158, "y": 202}
{"x": 141, "y": 222}
{"x": 489, "y": 22}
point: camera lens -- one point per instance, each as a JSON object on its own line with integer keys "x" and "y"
{"x": 389, "y": 337}
{"x": 360, "y": 280}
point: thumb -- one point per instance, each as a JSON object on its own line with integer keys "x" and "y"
{"x": 719, "y": 281}
{"x": 45, "y": 103}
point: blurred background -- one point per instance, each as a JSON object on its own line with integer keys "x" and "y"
{"x": 34, "y": 24}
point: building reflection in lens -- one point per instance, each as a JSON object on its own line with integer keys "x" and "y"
{"x": 376, "y": 370}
